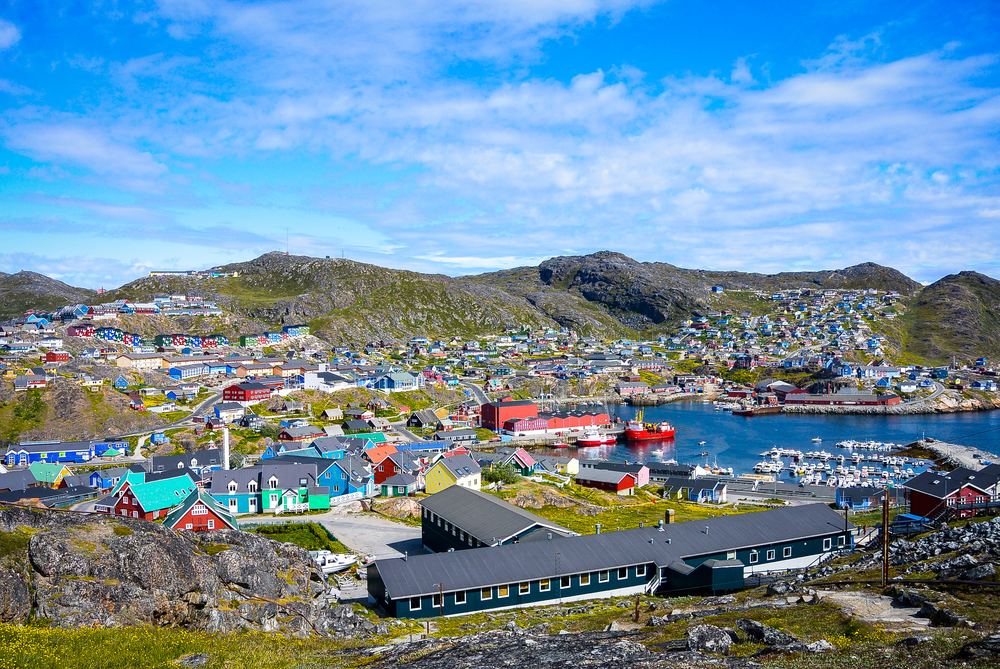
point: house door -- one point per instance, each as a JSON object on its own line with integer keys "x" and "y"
{"x": 23, "y": 460}
{"x": 253, "y": 505}
{"x": 233, "y": 502}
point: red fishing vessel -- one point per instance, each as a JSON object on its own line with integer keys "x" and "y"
{"x": 594, "y": 437}
{"x": 636, "y": 430}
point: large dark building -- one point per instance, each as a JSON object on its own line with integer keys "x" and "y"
{"x": 711, "y": 555}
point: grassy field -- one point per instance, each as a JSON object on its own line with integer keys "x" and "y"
{"x": 646, "y": 507}
{"x": 311, "y": 536}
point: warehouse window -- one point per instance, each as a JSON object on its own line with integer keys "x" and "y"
{"x": 524, "y": 589}
{"x": 416, "y": 603}
{"x": 584, "y": 579}
{"x": 770, "y": 554}
{"x": 486, "y": 593}
{"x": 564, "y": 582}
{"x": 731, "y": 555}
{"x": 640, "y": 570}
{"x": 460, "y": 597}
{"x": 602, "y": 577}
{"x": 826, "y": 544}
{"x": 753, "y": 557}
{"x": 502, "y": 591}
{"x": 623, "y": 573}
{"x": 436, "y": 601}
{"x": 840, "y": 542}
{"x": 544, "y": 586}
{"x": 786, "y": 551}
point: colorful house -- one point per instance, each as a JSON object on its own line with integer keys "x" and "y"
{"x": 151, "y": 500}
{"x": 270, "y": 488}
{"x": 460, "y": 470}
{"x": 50, "y": 474}
{"x": 199, "y": 512}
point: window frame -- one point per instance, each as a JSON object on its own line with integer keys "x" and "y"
{"x": 603, "y": 576}
{"x": 485, "y": 594}
{"x": 754, "y": 557}
{"x": 623, "y": 573}
{"x": 771, "y": 554}
{"x": 503, "y": 591}
{"x": 460, "y": 593}
{"x": 524, "y": 588}
{"x": 827, "y": 543}
{"x": 640, "y": 570}
{"x": 544, "y": 585}
{"x": 841, "y": 541}
{"x": 584, "y": 579}
{"x": 565, "y": 582}
{"x": 420, "y": 604}
{"x": 786, "y": 552}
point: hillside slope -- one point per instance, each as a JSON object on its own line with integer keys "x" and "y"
{"x": 959, "y": 315}
{"x": 30, "y": 290}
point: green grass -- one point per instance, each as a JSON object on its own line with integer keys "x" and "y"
{"x": 311, "y": 536}
{"x": 13, "y": 543}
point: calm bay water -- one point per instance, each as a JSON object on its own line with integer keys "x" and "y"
{"x": 737, "y": 441}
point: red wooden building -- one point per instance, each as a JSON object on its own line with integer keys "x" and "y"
{"x": 495, "y": 414}
{"x": 962, "y": 490}
{"x": 246, "y": 392}
{"x": 200, "y": 512}
{"x": 620, "y": 483}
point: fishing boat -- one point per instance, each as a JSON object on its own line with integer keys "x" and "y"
{"x": 701, "y": 443}
{"x": 816, "y": 440}
{"x": 593, "y": 437}
{"x": 636, "y": 430}
{"x": 560, "y": 445}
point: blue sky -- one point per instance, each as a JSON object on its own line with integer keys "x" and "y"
{"x": 460, "y": 137}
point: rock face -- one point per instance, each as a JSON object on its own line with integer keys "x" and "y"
{"x": 761, "y": 633}
{"x": 121, "y": 572}
{"x": 709, "y": 639}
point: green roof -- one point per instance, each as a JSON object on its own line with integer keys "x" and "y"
{"x": 164, "y": 493}
{"x": 46, "y": 472}
{"x": 132, "y": 478}
{"x": 375, "y": 437}
{"x": 111, "y": 452}
{"x": 200, "y": 495}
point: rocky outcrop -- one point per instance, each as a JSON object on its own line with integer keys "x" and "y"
{"x": 84, "y": 571}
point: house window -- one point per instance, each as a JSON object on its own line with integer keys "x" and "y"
{"x": 623, "y": 573}
{"x": 840, "y": 542}
{"x": 453, "y": 533}
{"x": 502, "y": 591}
{"x": 211, "y": 524}
{"x": 135, "y": 514}
{"x": 753, "y": 557}
{"x": 252, "y": 486}
{"x": 826, "y": 544}
{"x": 460, "y": 597}
{"x": 602, "y": 577}
{"x": 770, "y": 554}
{"x": 436, "y": 601}
{"x": 544, "y": 585}
{"x": 524, "y": 588}
{"x": 273, "y": 483}
{"x": 786, "y": 551}
{"x": 188, "y": 526}
{"x": 640, "y": 570}
{"x": 564, "y": 582}
{"x": 416, "y": 603}
{"x": 486, "y": 593}
{"x": 471, "y": 543}
{"x": 731, "y": 555}
{"x": 584, "y": 579}
{"x": 199, "y": 511}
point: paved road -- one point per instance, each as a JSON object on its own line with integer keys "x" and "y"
{"x": 363, "y": 533}
{"x": 477, "y": 392}
{"x": 401, "y": 428}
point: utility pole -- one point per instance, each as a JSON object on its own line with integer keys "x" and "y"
{"x": 885, "y": 539}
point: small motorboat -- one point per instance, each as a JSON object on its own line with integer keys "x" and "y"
{"x": 702, "y": 443}
{"x": 816, "y": 440}
{"x": 331, "y": 563}
{"x": 656, "y": 451}
{"x": 704, "y": 453}
{"x": 560, "y": 445}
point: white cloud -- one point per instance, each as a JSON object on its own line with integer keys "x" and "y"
{"x": 9, "y": 34}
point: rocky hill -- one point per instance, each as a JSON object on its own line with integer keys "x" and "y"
{"x": 959, "y": 315}
{"x": 30, "y": 290}
{"x": 79, "y": 570}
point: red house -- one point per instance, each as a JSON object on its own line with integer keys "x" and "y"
{"x": 961, "y": 490}
{"x": 57, "y": 356}
{"x": 152, "y": 500}
{"x": 200, "y": 512}
{"x": 495, "y": 414}
{"x": 80, "y": 331}
{"x": 399, "y": 462}
{"x": 247, "y": 392}
{"x": 620, "y": 483}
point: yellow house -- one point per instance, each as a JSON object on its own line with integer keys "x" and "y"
{"x": 458, "y": 470}
{"x": 49, "y": 473}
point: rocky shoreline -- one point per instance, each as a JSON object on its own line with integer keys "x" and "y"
{"x": 955, "y": 454}
{"x": 896, "y": 410}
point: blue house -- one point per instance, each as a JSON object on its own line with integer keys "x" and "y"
{"x": 187, "y": 372}
{"x": 859, "y": 498}
{"x": 25, "y": 453}
{"x": 120, "y": 383}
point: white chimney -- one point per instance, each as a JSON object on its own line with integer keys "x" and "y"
{"x": 225, "y": 448}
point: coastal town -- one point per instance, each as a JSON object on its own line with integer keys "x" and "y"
{"x": 280, "y": 424}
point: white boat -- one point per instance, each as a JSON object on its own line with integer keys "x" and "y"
{"x": 656, "y": 451}
{"x": 816, "y": 440}
{"x": 331, "y": 563}
{"x": 701, "y": 443}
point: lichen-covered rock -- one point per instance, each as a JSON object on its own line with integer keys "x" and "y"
{"x": 709, "y": 639}
{"x": 761, "y": 633}
{"x": 118, "y": 572}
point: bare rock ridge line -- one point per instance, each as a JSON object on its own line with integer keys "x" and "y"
{"x": 604, "y": 293}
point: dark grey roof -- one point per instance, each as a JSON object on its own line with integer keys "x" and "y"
{"x": 205, "y": 458}
{"x": 676, "y": 483}
{"x": 941, "y": 485}
{"x": 602, "y": 475}
{"x": 461, "y": 465}
{"x": 484, "y": 516}
{"x": 400, "y": 479}
{"x": 631, "y": 468}
{"x": 512, "y": 563}
{"x": 17, "y": 480}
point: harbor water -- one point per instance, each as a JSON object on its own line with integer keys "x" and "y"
{"x": 737, "y": 442}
